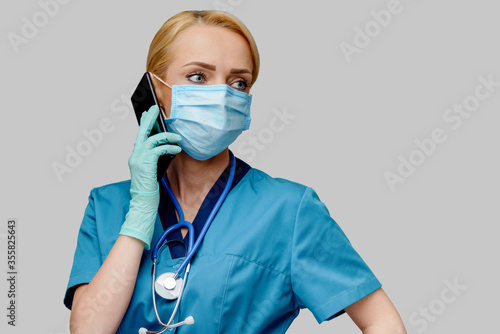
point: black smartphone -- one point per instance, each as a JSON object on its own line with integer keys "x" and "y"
{"x": 142, "y": 99}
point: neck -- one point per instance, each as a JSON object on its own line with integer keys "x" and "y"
{"x": 191, "y": 179}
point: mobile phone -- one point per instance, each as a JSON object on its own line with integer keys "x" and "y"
{"x": 142, "y": 99}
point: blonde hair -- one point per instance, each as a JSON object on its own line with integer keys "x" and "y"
{"x": 160, "y": 53}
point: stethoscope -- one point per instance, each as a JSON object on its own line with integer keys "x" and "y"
{"x": 170, "y": 285}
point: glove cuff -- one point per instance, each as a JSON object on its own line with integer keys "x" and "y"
{"x": 139, "y": 225}
{"x": 131, "y": 232}
{"x": 144, "y": 193}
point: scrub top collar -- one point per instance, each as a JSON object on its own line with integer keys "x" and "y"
{"x": 166, "y": 209}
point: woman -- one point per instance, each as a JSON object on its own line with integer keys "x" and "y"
{"x": 272, "y": 248}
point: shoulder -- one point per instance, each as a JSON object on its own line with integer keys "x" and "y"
{"x": 263, "y": 183}
{"x": 115, "y": 191}
{"x": 292, "y": 194}
{"x": 106, "y": 211}
{"x": 259, "y": 177}
{"x": 110, "y": 199}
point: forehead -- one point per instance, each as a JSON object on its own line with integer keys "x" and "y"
{"x": 213, "y": 45}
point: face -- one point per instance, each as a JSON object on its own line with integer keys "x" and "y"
{"x": 207, "y": 55}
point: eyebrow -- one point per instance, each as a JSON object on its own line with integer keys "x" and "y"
{"x": 213, "y": 67}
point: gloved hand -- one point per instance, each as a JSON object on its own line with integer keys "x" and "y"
{"x": 144, "y": 188}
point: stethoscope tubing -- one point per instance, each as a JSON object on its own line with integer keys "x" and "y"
{"x": 192, "y": 249}
{"x": 189, "y": 226}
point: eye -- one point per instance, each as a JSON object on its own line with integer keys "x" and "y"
{"x": 241, "y": 85}
{"x": 197, "y": 77}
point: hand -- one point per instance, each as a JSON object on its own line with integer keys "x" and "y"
{"x": 144, "y": 187}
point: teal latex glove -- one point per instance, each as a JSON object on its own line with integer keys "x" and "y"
{"x": 144, "y": 188}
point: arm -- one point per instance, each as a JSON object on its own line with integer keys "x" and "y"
{"x": 99, "y": 307}
{"x": 376, "y": 314}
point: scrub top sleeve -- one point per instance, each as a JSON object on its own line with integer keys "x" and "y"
{"x": 327, "y": 273}
{"x": 87, "y": 259}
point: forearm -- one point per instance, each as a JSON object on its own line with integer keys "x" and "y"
{"x": 99, "y": 306}
{"x": 395, "y": 328}
{"x": 375, "y": 314}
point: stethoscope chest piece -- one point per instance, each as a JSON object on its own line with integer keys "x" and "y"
{"x": 167, "y": 286}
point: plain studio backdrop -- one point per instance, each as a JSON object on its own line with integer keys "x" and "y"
{"x": 388, "y": 109}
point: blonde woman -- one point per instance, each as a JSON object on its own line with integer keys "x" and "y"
{"x": 272, "y": 247}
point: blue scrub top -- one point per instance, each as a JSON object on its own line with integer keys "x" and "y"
{"x": 272, "y": 250}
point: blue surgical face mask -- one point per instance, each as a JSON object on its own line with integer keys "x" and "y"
{"x": 209, "y": 118}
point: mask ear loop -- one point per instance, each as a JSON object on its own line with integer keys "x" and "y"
{"x": 163, "y": 112}
{"x": 166, "y": 84}
{"x": 157, "y": 77}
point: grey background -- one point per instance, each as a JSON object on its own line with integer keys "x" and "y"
{"x": 352, "y": 121}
